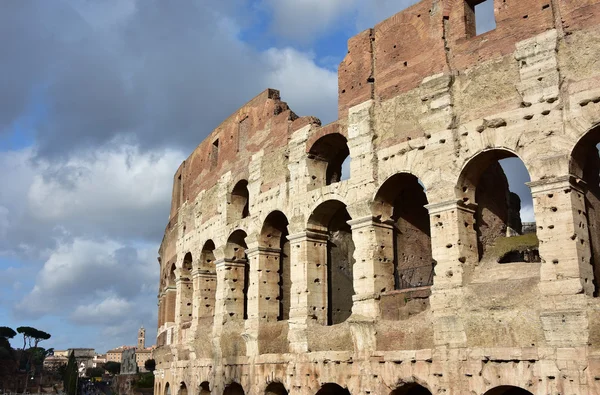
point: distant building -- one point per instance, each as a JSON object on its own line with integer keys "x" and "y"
{"x": 140, "y": 353}
{"x": 53, "y": 362}
{"x": 99, "y": 360}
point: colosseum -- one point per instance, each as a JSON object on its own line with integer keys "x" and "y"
{"x": 385, "y": 253}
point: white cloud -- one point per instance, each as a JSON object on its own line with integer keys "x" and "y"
{"x": 302, "y": 82}
{"x": 85, "y": 273}
{"x": 304, "y": 19}
{"x": 112, "y": 309}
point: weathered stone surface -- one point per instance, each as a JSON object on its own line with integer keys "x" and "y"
{"x": 278, "y": 273}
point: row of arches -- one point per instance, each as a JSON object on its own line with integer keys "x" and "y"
{"x": 277, "y": 388}
{"x": 401, "y": 203}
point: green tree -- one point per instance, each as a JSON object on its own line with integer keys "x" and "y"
{"x": 70, "y": 377}
{"x": 112, "y": 367}
{"x": 31, "y": 337}
{"x": 7, "y": 354}
{"x": 94, "y": 372}
{"x": 150, "y": 365}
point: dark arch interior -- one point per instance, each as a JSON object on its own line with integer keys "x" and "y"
{"x": 507, "y": 390}
{"x": 204, "y": 388}
{"x": 240, "y": 200}
{"x": 274, "y": 235}
{"x": 411, "y": 389}
{"x": 332, "y": 389}
{"x": 235, "y": 251}
{"x": 167, "y": 389}
{"x": 485, "y": 185}
{"x": 171, "y": 281}
{"x": 182, "y": 389}
{"x": 331, "y": 217}
{"x": 331, "y": 150}
{"x": 233, "y": 389}
{"x": 186, "y": 267}
{"x": 585, "y": 164}
{"x": 275, "y": 388}
{"x": 185, "y": 307}
{"x": 207, "y": 256}
{"x": 402, "y": 201}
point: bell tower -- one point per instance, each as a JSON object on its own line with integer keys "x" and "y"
{"x": 141, "y": 338}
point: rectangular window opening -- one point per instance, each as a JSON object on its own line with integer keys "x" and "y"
{"x": 214, "y": 157}
{"x": 479, "y": 17}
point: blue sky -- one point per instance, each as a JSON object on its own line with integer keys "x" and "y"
{"x": 100, "y": 103}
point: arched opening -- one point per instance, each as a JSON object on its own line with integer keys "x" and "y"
{"x": 167, "y": 389}
{"x": 171, "y": 296}
{"x": 235, "y": 256}
{"x": 275, "y": 388}
{"x": 206, "y": 281}
{"x": 401, "y": 201}
{"x": 328, "y": 160}
{"x": 186, "y": 290}
{"x": 273, "y": 236}
{"x": 585, "y": 165}
{"x": 158, "y": 389}
{"x": 494, "y": 184}
{"x": 204, "y": 388}
{"x": 233, "y": 389}
{"x": 411, "y": 389}
{"x": 332, "y": 389}
{"x": 182, "y": 389}
{"x": 239, "y": 201}
{"x": 508, "y": 390}
{"x": 331, "y": 220}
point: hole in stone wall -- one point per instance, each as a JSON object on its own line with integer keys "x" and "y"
{"x": 274, "y": 235}
{"x": 239, "y": 201}
{"x": 411, "y": 389}
{"x": 479, "y": 17}
{"x": 495, "y": 181}
{"x": 328, "y": 160}
{"x": 585, "y": 164}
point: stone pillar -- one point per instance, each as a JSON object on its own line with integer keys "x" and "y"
{"x": 263, "y": 291}
{"x": 308, "y": 258}
{"x": 170, "y": 304}
{"x": 454, "y": 249}
{"x": 373, "y": 271}
{"x": 205, "y": 288}
{"x": 229, "y": 304}
{"x": 562, "y": 230}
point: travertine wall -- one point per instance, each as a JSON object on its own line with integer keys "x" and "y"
{"x": 386, "y": 281}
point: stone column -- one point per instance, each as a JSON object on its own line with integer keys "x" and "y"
{"x": 373, "y": 270}
{"x": 263, "y": 292}
{"x": 229, "y": 304}
{"x": 454, "y": 249}
{"x": 308, "y": 259}
{"x": 562, "y": 230}
{"x": 205, "y": 288}
{"x": 170, "y": 304}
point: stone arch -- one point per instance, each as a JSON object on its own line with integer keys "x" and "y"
{"x": 483, "y": 186}
{"x": 204, "y": 388}
{"x": 205, "y": 282}
{"x": 410, "y": 389}
{"x": 235, "y": 256}
{"x": 584, "y": 165}
{"x": 273, "y": 238}
{"x": 167, "y": 389}
{"x": 239, "y": 202}
{"x": 183, "y": 389}
{"x": 508, "y": 390}
{"x": 276, "y": 388}
{"x": 334, "y": 257}
{"x": 401, "y": 202}
{"x": 233, "y": 389}
{"x": 326, "y": 158}
{"x": 186, "y": 289}
{"x": 332, "y": 389}
{"x": 171, "y": 294}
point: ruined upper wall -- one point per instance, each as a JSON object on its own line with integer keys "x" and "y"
{"x": 394, "y": 60}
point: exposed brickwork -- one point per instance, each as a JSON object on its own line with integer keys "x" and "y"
{"x": 426, "y": 109}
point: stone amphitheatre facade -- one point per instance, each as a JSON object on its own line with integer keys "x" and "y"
{"x": 412, "y": 274}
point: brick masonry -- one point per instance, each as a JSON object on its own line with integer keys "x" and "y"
{"x": 413, "y": 302}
